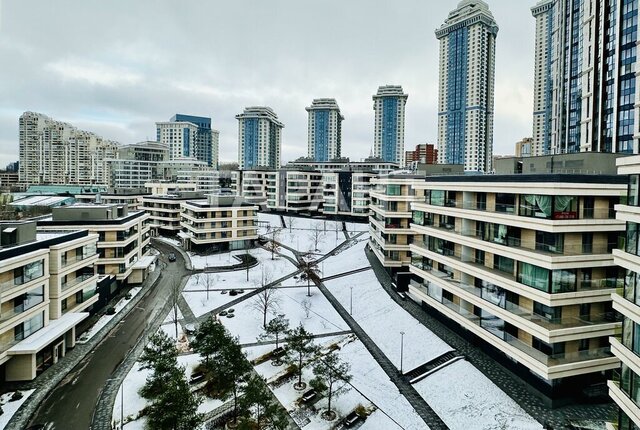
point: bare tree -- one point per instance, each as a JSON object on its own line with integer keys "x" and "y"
{"x": 310, "y": 270}
{"x": 174, "y": 297}
{"x": 290, "y": 221}
{"x": 306, "y": 307}
{"x": 273, "y": 245}
{"x": 267, "y": 300}
{"x": 316, "y": 236}
{"x": 338, "y": 227}
{"x": 247, "y": 258}
{"x": 206, "y": 280}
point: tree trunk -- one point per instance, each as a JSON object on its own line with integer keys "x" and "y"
{"x": 308, "y": 286}
{"x": 175, "y": 317}
{"x": 264, "y": 318}
{"x": 329, "y": 396}
{"x": 300, "y": 371}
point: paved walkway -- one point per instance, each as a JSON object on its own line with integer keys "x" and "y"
{"x": 512, "y": 385}
{"x": 315, "y": 336}
{"x": 406, "y": 389}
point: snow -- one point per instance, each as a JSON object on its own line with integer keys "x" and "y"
{"x": 323, "y": 318}
{"x": 214, "y": 260}
{"x": 299, "y": 234}
{"x": 171, "y": 240}
{"x": 351, "y": 257}
{"x": 383, "y": 319}
{"x": 200, "y": 305}
{"x": 464, "y": 398}
{"x": 87, "y": 335}
{"x": 10, "y": 408}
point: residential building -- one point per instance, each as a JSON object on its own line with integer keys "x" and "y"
{"x": 373, "y": 164}
{"x": 623, "y": 387}
{"x": 137, "y": 164}
{"x": 324, "y": 130}
{"x": 48, "y": 287}
{"x": 388, "y": 138}
{"x": 190, "y": 136}
{"x": 585, "y": 96}
{"x": 190, "y": 171}
{"x": 346, "y": 193}
{"x": 123, "y": 236}
{"x": 524, "y": 264}
{"x": 132, "y": 198}
{"x": 8, "y": 181}
{"x": 254, "y": 185}
{"x": 424, "y": 153}
{"x": 164, "y": 211}
{"x": 592, "y": 163}
{"x": 389, "y": 219}
{"x": 466, "y": 86}
{"x": 523, "y": 147}
{"x": 294, "y": 190}
{"x": 55, "y": 152}
{"x": 218, "y": 223}
{"x": 259, "y": 138}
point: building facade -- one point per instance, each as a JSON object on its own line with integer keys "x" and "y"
{"x": 190, "y": 136}
{"x": 424, "y": 153}
{"x": 524, "y": 147}
{"x": 388, "y": 138}
{"x": 48, "y": 286}
{"x": 55, "y": 152}
{"x": 623, "y": 387}
{"x": 585, "y": 77}
{"x": 466, "y": 86}
{"x": 525, "y": 264}
{"x": 259, "y": 138}
{"x": 324, "y": 130}
{"x": 218, "y": 223}
{"x": 164, "y": 211}
{"x": 137, "y": 164}
{"x": 294, "y": 190}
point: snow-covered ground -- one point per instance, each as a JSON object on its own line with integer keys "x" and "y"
{"x": 323, "y": 318}
{"x": 214, "y": 260}
{"x": 466, "y": 399}
{"x": 9, "y": 408}
{"x": 381, "y": 317}
{"x": 103, "y": 320}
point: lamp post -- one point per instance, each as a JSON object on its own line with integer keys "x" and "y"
{"x": 122, "y": 405}
{"x": 351, "y": 301}
{"x": 401, "y": 350}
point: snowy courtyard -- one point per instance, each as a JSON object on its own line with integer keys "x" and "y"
{"x": 459, "y": 393}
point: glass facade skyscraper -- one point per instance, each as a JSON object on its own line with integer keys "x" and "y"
{"x": 389, "y": 106}
{"x": 466, "y": 90}
{"x": 259, "y": 138}
{"x": 324, "y": 130}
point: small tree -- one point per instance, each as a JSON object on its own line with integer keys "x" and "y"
{"x": 290, "y": 221}
{"x": 206, "y": 280}
{"x": 174, "y": 297}
{"x": 276, "y": 328}
{"x": 337, "y": 227}
{"x": 328, "y": 371}
{"x": 247, "y": 258}
{"x": 273, "y": 244}
{"x": 310, "y": 270}
{"x": 257, "y": 397}
{"x": 316, "y": 236}
{"x": 176, "y": 407}
{"x": 209, "y": 341}
{"x": 300, "y": 347}
{"x": 160, "y": 356}
{"x": 306, "y": 307}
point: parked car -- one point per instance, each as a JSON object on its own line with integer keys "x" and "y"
{"x": 197, "y": 377}
{"x": 351, "y": 419}
{"x": 172, "y": 256}
{"x": 309, "y": 396}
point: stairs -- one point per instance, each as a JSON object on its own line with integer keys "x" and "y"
{"x": 429, "y": 367}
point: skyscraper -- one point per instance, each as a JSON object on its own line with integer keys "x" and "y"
{"x": 388, "y": 104}
{"x": 190, "y": 136}
{"x": 465, "y": 104}
{"x": 324, "y": 130}
{"x": 55, "y": 152}
{"x": 585, "y": 83}
{"x": 259, "y": 138}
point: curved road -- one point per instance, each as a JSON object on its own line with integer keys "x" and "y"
{"x": 70, "y": 405}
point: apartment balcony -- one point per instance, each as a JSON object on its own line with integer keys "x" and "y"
{"x": 549, "y": 366}
{"x": 66, "y": 286}
{"x": 7, "y": 286}
{"x": 70, "y": 262}
{"x": 622, "y": 399}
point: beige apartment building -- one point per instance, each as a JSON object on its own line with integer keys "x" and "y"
{"x": 164, "y": 211}
{"x": 218, "y": 223}
{"x": 123, "y": 235}
{"x": 524, "y": 264}
{"x": 389, "y": 221}
{"x": 47, "y": 287}
{"x": 624, "y": 388}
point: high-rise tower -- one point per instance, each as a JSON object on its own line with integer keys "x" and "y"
{"x": 466, "y": 91}
{"x": 259, "y": 138}
{"x": 388, "y": 140}
{"x": 324, "y": 130}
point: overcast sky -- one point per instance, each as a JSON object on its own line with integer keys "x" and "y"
{"x": 116, "y": 67}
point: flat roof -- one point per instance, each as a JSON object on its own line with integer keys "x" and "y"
{"x": 533, "y": 178}
{"x": 48, "y": 334}
{"x": 145, "y": 262}
{"x": 44, "y": 240}
{"x": 41, "y": 200}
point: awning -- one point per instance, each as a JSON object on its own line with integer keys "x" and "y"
{"x": 43, "y": 337}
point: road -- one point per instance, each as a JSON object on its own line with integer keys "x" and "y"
{"x": 70, "y": 405}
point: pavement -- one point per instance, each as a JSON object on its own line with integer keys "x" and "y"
{"x": 71, "y": 401}
{"x": 558, "y": 418}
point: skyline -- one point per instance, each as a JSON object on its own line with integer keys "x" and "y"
{"x": 125, "y": 74}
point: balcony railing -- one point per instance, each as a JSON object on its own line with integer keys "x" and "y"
{"x": 78, "y": 280}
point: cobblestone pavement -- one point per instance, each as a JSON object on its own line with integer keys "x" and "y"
{"x": 406, "y": 389}
{"x": 50, "y": 378}
{"x": 516, "y": 388}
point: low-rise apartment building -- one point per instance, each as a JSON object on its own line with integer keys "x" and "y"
{"x": 625, "y": 385}
{"x": 346, "y": 193}
{"x": 123, "y": 236}
{"x": 218, "y": 223}
{"x": 47, "y": 287}
{"x": 130, "y": 197}
{"x": 524, "y": 264}
{"x": 294, "y": 190}
{"x": 254, "y": 185}
{"x": 164, "y": 211}
{"x": 390, "y": 218}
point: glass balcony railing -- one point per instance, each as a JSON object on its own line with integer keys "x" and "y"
{"x": 64, "y": 286}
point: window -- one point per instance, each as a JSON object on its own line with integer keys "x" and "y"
{"x": 63, "y": 305}
{"x": 27, "y": 328}
{"x": 533, "y": 276}
{"x": 503, "y": 264}
{"x": 505, "y": 202}
{"x": 549, "y": 242}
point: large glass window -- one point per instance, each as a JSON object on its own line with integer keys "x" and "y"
{"x": 563, "y": 281}
{"x": 29, "y": 299}
{"x": 28, "y": 327}
{"x": 503, "y": 264}
{"x": 533, "y": 276}
{"x": 549, "y": 242}
{"x": 28, "y": 272}
{"x": 565, "y": 207}
{"x": 505, "y": 202}
{"x": 393, "y": 190}
{"x": 534, "y": 205}
{"x": 436, "y": 197}
{"x": 631, "y": 243}
{"x": 633, "y": 198}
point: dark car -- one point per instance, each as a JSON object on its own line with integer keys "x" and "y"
{"x": 172, "y": 256}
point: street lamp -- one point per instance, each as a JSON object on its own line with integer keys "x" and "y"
{"x": 401, "y": 350}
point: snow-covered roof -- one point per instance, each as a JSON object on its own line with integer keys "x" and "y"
{"x": 48, "y": 334}
{"x": 145, "y": 262}
{"x": 43, "y": 201}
